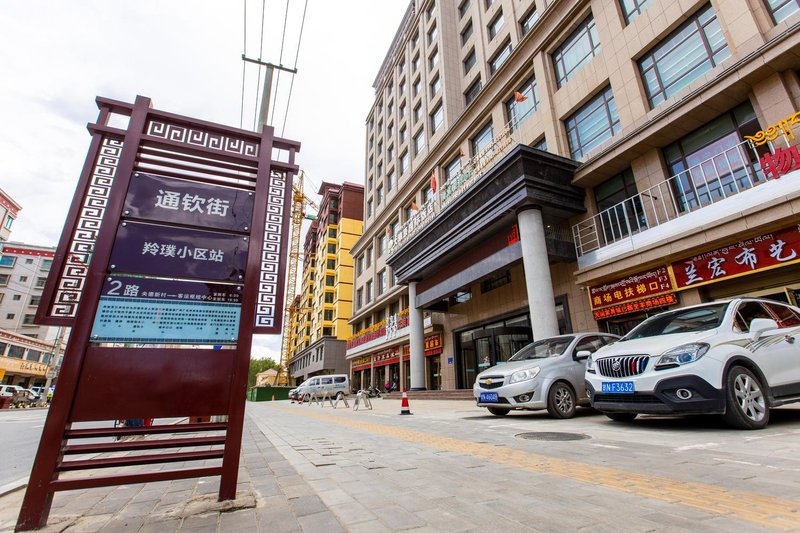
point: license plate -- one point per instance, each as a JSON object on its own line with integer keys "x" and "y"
{"x": 618, "y": 387}
{"x": 488, "y": 397}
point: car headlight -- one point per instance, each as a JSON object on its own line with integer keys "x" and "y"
{"x": 681, "y": 355}
{"x": 524, "y": 375}
{"x": 590, "y": 364}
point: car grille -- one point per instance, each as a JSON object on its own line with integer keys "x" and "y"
{"x": 497, "y": 382}
{"x": 623, "y": 366}
{"x": 626, "y": 398}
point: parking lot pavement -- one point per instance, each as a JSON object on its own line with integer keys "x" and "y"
{"x": 452, "y": 466}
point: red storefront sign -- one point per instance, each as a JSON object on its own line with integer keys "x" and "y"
{"x": 634, "y": 287}
{"x": 513, "y": 235}
{"x": 753, "y": 255}
{"x": 433, "y": 345}
{"x": 638, "y": 305}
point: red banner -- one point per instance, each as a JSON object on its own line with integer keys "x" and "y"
{"x": 433, "y": 344}
{"x": 639, "y": 305}
{"x": 745, "y": 257}
{"x": 634, "y": 287}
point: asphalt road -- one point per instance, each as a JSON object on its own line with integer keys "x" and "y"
{"x": 20, "y": 430}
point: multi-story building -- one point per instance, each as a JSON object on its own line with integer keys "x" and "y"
{"x": 26, "y": 349}
{"x": 323, "y": 308}
{"x": 9, "y": 209}
{"x": 536, "y": 167}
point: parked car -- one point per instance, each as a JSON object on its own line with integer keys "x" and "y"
{"x": 546, "y": 374}
{"x": 337, "y": 385}
{"x": 37, "y": 391}
{"x": 9, "y": 390}
{"x": 736, "y": 358}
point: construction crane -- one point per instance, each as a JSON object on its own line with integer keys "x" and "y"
{"x": 299, "y": 203}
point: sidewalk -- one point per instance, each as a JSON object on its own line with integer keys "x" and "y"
{"x": 271, "y": 497}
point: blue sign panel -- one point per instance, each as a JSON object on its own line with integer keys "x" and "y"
{"x": 148, "y": 310}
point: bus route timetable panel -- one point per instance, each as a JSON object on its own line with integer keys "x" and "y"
{"x": 151, "y": 310}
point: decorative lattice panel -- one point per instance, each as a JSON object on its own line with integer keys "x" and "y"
{"x": 268, "y": 285}
{"x": 197, "y": 137}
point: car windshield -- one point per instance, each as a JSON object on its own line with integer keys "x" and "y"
{"x": 680, "y": 321}
{"x": 542, "y": 349}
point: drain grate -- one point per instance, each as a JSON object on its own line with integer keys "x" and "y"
{"x": 552, "y": 436}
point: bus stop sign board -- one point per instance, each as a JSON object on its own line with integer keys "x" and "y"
{"x": 172, "y": 256}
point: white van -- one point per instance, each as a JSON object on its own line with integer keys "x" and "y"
{"x": 337, "y": 385}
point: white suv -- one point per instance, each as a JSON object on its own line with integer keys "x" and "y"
{"x": 737, "y": 358}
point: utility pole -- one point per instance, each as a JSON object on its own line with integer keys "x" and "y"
{"x": 267, "y": 91}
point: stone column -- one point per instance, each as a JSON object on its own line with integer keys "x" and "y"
{"x": 541, "y": 301}
{"x": 416, "y": 339}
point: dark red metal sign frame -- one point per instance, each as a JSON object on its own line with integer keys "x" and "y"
{"x": 103, "y": 383}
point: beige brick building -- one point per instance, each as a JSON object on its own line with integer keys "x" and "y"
{"x": 537, "y": 167}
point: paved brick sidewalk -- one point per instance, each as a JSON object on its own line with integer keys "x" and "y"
{"x": 272, "y": 497}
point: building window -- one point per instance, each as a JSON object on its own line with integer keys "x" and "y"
{"x": 404, "y": 162}
{"x": 437, "y": 117}
{"x": 523, "y": 103}
{"x": 23, "y": 279}
{"x": 328, "y": 314}
{"x": 466, "y": 33}
{"x": 402, "y": 110}
{"x": 16, "y": 297}
{"x": 496, "y": 281}
{"x": 390, "y": 154}
{"x": 403, "y": 134}
{"x": 3, "y": 280}
{"x": 382, "y": 240}
{"x": 415, "y": 87}
{"x": 381, "y": 282}
{"x": 432, "y": 34}
{"x": 472, "y": 93}
{"x": 620, "y": 206}
{"x": 495, "y": 25}
{"x": 369, "y": 208}
{"x": 419, "y": 142}
{"x": 369, "y": 184}
{"x": 488, "y": 3}
{"x": 415, "y": 40}
{"x": 453, "y": 169}
{"x": 469, "y": 61}
{"x": 500, "y": 58}
{"x": 427, "y": 195}
{"x": 529, "y": 21}
{"x": 327, "y": 332}
{"x": 632, "y": 8}
{"x": 461, "y": 297}
{"x": 433, "y": 59}
{"x": 9, "y": 222}
{"x": 592, "y": 124}
{"x": 360, "y": 265}
{"x": 379, "y": 194}
{"x": 578, "y": 49}
{"x": 708, "y": 164}
{"x": 10, "y": 316}
{"x": 483, "y": 139}
{"x": 28, "y": 319}
{"x": 541, "y": 145}
{"x": 417, "y": 113}
{"x": 332, "y": 232}
{"x": 401, "y": 89}
{"x": 462, "y": 8}
{"x": 389, "y": 133}
{"x": 331, "y": 264}
{"x": 15, "y": 351}
{"x": 390, "y": 181}
{"x": 334, "y": 218}
{"x": 369, "y": 257}
{"x": 686, "y": 54}
{"x": 8, "y": 261}
{"x": 436, "y": 84}
{"x": 415, "y": 63}
{"x": 359, "y": 298}
{"x": 369, "y": 291}
{"x": 330, "y": 281}
{"x": 782, "y": 9}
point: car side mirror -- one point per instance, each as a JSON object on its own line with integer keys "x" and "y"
{"x": 582, "y": 355}
{"x": 759, "y": 325}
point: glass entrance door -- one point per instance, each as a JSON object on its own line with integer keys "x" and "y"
{"x": 488, "y": 347}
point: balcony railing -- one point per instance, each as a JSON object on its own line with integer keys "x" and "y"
{"x": 451, "y": 190}
{"x": 723, "y": 175}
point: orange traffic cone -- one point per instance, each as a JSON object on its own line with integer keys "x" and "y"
{"x": 404, "y": 409}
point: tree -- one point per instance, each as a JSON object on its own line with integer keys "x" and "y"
{"x": 259, "y": 365}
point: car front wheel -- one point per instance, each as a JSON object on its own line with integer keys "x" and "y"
{"x": 561, "y": 401}
{"x": 498, "y": 412}
{"x": 745, "y": 400}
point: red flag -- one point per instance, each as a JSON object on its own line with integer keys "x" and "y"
{"x": 519, "y": 97}
{"x": 388, "y": 231}
{"x": 414, "y": 206}
{"x": 433, "y": 181}
{"x": 461, "y": 153}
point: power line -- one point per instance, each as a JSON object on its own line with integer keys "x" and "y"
{"x": 280, "y": 61}
{"x": 297, "y": 54}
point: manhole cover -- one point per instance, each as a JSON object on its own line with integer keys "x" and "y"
{"x": 552, "y": 436}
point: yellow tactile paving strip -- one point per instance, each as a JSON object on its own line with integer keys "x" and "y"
{"x": 765, "y": 511}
